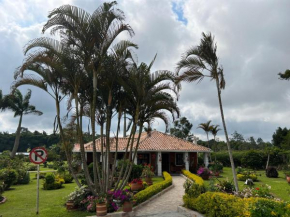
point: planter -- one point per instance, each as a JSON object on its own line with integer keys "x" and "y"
{"x": 101, "y": 209}
{"x": 127, "y": 206}
{"x": 288, "y": 179}
{"x": 148, "y": 181}
{"x": 136, "y": 186}
{"x": 70, "y": 205}
{"x": 204, "y": 177}
{"x": 3, "y": 200}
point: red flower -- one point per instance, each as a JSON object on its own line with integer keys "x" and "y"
{"x": 258, "y": 189}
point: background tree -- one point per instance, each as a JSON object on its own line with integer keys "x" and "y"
{"x": 181, "y": 129}
{"x": 279, "y": 136}
{"x": 206, "y": 127}
{"x": 214, "y": 130}
{"x": 195, "y": 62}
{"x": 20, "y": 106}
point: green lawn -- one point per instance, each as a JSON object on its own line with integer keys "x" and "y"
{"x": 279, "y": 186}
{"x": 21, "y": 200}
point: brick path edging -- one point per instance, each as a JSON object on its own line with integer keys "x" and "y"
{"x": 188, "y": 212}
{"x": 132, "y": 214}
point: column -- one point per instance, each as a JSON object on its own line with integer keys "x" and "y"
{"x": 186, "y": 160}
{"x": 159, "y": 164}
{"x": 205, "y": 159}
{"x": 135, "y": 160}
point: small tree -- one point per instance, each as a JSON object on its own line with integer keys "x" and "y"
{"x": 182, "y": 129}
{"x": 20, "y": 106}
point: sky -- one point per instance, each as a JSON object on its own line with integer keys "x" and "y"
{"x": 253, "y": 41}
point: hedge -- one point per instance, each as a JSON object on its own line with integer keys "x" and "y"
{"x": 153, "y": 189}
{"x": 198, "y": 180}
{"x": 214, "y": 204}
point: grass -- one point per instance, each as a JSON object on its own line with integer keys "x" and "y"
{"x": 21, "y": 200}
{"x": 279, "y": 186}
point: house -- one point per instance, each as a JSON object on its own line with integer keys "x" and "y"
{"x": 164, "y": 152}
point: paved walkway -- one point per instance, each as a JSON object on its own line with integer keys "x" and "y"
{"x": 165, "y": 205}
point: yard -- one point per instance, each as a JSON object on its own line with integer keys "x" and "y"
{"x": 21, "y": 200}
{"x": 279, "y": 186}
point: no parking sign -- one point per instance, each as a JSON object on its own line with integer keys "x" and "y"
{"x": 38, "y": 155}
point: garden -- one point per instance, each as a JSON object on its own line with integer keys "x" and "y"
{"x": 262, "y": 192}
{"x": 59, "y": 195}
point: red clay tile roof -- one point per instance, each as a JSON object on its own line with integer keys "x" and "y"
{"x": 156, "y": 141}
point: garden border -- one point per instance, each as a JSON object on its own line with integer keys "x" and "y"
{"x": 131, "y": 214}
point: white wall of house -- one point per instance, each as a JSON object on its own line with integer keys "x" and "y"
{"x": 159, "y": 164}
{"x": 186, "y": 160}
{"x": 205, "y": 159}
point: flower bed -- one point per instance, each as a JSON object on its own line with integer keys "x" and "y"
{"x": 153, "y": 189}
{"x": 198, "y": 180}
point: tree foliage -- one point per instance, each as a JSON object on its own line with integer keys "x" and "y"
{"x": 181, "y": 129}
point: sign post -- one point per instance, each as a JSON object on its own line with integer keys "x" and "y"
{"x": 37, "y": 156}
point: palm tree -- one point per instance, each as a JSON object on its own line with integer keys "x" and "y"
{"x": 195, "y": 62}
{"x": 206, "y": 127}
{"x": 20, "y": 106}
{"x": 215, "y": 129}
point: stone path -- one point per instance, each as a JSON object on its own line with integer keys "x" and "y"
{"x": 165, "y": 205}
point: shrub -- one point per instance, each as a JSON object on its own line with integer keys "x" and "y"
{"x": 268, "y": 208}
{"x": 1, "y": 190}
{"x": 272, "y": 172}
{"x": 67, "y": 178}
{"x": 253, "y": 159}
{"x": 244, "y": 177}
{"x": 136, "y": 169}
{"x": 9, "y": 177}
{"x": 32, "y": 167}
{"x": 145, "y": 194}
{"x": 78, "y": 195}
{"x": 214, "y": 204}
{"x": 216, "y": 167}
{"x": 226, "y": 186}
{"x": 23, "y": 177}
{"x": 192, "y": 189}
{"x": 52, "y": 182}
{"x": 193, "y": 177}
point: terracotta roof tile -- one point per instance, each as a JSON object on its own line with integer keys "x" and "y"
{"x": 155, "y": 141}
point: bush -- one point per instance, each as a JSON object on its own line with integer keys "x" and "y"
{"x": 32, "y": 167}
{"x": 253, "y": 159}
{"x": 52, "y": 182}
{"x": 271, "y": 172}
{"x": 136, "y": 169}
{"x": 244, "y": 177}
{"x": 145, "y": 194}
{"x": 198, "y": 180}
{"x": 9, "y": 177}
{"x": 268, "y": 208}
{"x": 216, "y": 167}
{"x": 67, "y": 178}
{"x": 78, "y": 195}
{"x": 192, "y": 189}
{"x": 214, "y": 204}
{"x": 23, "y": 177}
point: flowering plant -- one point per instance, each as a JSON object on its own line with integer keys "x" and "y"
{"x": 90, "y": 203}
{"x": 202, "y": 171}
{"x": 137, "y": 181}
{"x": 101, "y": 198}
{"x": 147, "y": 171}
{"x": 122, "y": 195}
{"x": 78, "y": 195}
{"x": 263, "y": 191}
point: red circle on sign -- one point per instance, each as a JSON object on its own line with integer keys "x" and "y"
{"x": 37, "y": 158}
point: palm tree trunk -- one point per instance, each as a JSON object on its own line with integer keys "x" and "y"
{"x": 17, "y": 138}
{"x": 67, "y": 151}
{"x": 227, "y": 138}
{"x": 268, "y": 160}
{"x": 215, "y": 147}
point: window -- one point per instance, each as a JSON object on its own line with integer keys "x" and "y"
{"x": 179, "y": 159}
{"x": 143, "y": 159}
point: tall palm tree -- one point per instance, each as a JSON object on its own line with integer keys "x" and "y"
{"x": 202, "y": 62}
{"x": 20, "y": 106}
{"x": 215, "y": 129}
{"x": 206, "y": 127}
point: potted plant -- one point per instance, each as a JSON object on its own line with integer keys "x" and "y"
{"x": 147, "y": 173}
{"x": 136, "y": 184}
{"x": 101, "y": 207}
{"x": 288, "y": 177}
{"x": 204, "y": 173}
{"x": 127, "y": 199}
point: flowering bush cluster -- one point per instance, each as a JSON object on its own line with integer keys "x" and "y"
{"x": 122, "y": 195}
{"x": 137, "y": 181}
{"x": 78, "y": 195}
{"x": 147, "y": 171}
{"x": 89, "y": 203}
{"x": 202, "y": 171}
{"x": 263, "y": 191}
